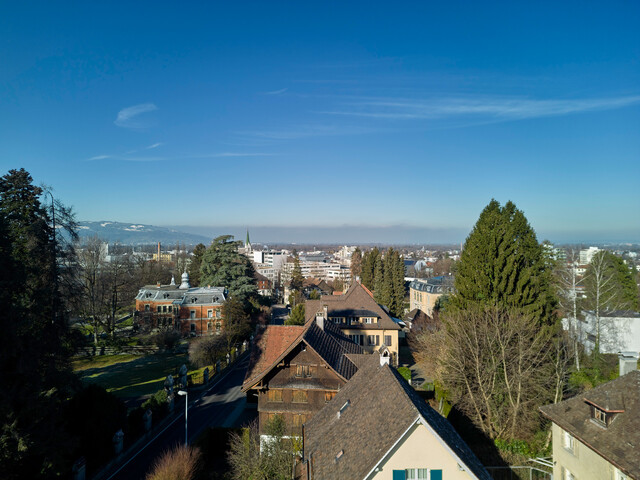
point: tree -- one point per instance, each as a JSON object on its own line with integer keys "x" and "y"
{"x": 297, "y": 280}
{"x": 497, "y": 364}
{"x": 566, "y": 282}
{"x": 34, "y": 354}
{"x": 223, "y": 266}
{"x": 207, "y": 350}
{"x": 297, "y": 316}
{"x": 502, "y": 265}
{"x": 356, "y": 263}
{"x": 196, "y": 262}
{"x": 275, "y": 462}
{"x": 369, "y": 261}
{"x": 609, "y": 286}
{"x": 237, "y": 323}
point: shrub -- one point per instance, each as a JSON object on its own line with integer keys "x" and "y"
{"x": 157, "y": 404}
{"x": 166, "y": 340}
{"x": 181, "y": 463}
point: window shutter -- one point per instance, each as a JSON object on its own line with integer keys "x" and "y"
{"x": 436, "y": 474}
{"x": 398, "y": 475}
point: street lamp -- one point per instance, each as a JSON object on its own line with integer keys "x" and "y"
{"x": 183, "y": 393}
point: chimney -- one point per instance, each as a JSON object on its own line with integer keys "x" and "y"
{"x": 628, "y": 362}
{"x": 320, "y": 322}
{"x": 325, "y": 311}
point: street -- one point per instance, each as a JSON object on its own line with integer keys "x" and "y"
{"x": 222, "y": 405}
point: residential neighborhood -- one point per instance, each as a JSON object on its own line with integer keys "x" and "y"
{"x": 320, "y": 240}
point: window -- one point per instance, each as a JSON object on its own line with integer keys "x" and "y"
{"x": 300, "y": 396}
{"x": 417, "y": 474}
{"x": 368, "y": 320}
{"x": 218, "y": 314}
{"x": 299, "y": 419}
{"x": 328, "y": 396}
{"x": 159, "y": 309}
{"x": 193, "y": 327}
{"x": 274, "y": 395}
{"x": 567, "y": 475}
{"x": 373, "y": 339}
{"x": 600, "y": 416}
{"x": 193, "y": 314}
{"x": 357, "y": 339}
{"x": 218, "y": 326}
{"x": 387, "y": 340}
{"x": 568, "y": 442}
{"x": 146, "y": 308}
{"x": 209, "y": 326}
{"x": 303, "y": 371}
{"x": 210, "y": 313}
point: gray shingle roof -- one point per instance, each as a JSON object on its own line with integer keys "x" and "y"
{"x": 381, "y": 408}
{"x": 618, "y": 443}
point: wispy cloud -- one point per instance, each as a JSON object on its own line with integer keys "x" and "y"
{"x": 127, "y": 117}
{"x": 504, "y": 108}
{"x": 277, "y": 92}
{"x": 305, "y": 131}
{"x": 128, "y": 157}
{"x": 155, "y": 145}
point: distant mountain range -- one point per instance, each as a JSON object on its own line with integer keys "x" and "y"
{"x": 138, "y": 234}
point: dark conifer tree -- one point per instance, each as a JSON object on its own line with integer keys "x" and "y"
{"x": 502, "y": 265}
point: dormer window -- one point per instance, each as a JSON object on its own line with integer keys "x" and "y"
{"x": 600, "y": 416}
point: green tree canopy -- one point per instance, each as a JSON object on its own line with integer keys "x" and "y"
{"x": 34, "y": 368}
{"x": 223, "y": 266}
{"x": 297, "y": 315}
{"x": 196, "y": 262}
{"x": 502, "y": 265}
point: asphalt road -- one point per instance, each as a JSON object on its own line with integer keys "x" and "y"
{"x": 222, "y": 405}
{"x": 279, "y": 314}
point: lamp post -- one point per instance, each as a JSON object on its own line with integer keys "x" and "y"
{"x": 183, "y": 393}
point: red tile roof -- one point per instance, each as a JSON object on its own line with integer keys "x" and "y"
{"x": 269, "y": 345}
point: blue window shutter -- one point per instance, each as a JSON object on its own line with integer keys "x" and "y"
{"x": 398, "y": 475}
{"x": 436, "y": 475}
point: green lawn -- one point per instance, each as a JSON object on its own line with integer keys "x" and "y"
{"x": 130, "y": 375}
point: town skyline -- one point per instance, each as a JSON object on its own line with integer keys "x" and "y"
{"x": 333, "y": 118}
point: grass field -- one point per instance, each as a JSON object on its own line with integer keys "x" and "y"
{"x": 130, "y": 375}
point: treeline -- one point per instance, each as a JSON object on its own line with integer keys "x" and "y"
{"x": 383, "y": 273}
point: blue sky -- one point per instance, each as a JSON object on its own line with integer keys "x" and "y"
{"x": 403, "y": 116}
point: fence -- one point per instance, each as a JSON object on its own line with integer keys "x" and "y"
{"x": 519, "y": 473}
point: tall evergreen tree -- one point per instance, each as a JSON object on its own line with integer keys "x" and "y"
{"x": 34, "y": 367}
{"x": 223, "y": 266}
{"x": 194, "y": 265}
{"x": 297, "y": 280}
{"x": 356, "y": 263}
{"x": 384, "y": 295}
{"x": 502, "y": 265}
{"x": 397, "y": 280}
{"x": 378, "y": 278}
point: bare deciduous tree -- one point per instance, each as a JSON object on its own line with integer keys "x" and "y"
{"x": 498, "y": 366}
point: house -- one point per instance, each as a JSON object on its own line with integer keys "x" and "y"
{"x": 265, "y": 287}
{"x": 378, "y": 427}
{"x": 296, "y": 370}
{"x": 423, "y": 294}
{"x": 597, "y": 434}
{"x": 317, "y": 285}
{"x": 619, "y": 331}
{"x": 359, "y": 317}
{"x": 189, "y": 310}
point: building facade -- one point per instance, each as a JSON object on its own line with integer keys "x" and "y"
{"x": 359, "y": 317}
{"x": 423, "y": 294}
{"x": 189, "y": 310}
{"x": 296, "y": 370}
{"x": 597, "y": 434}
